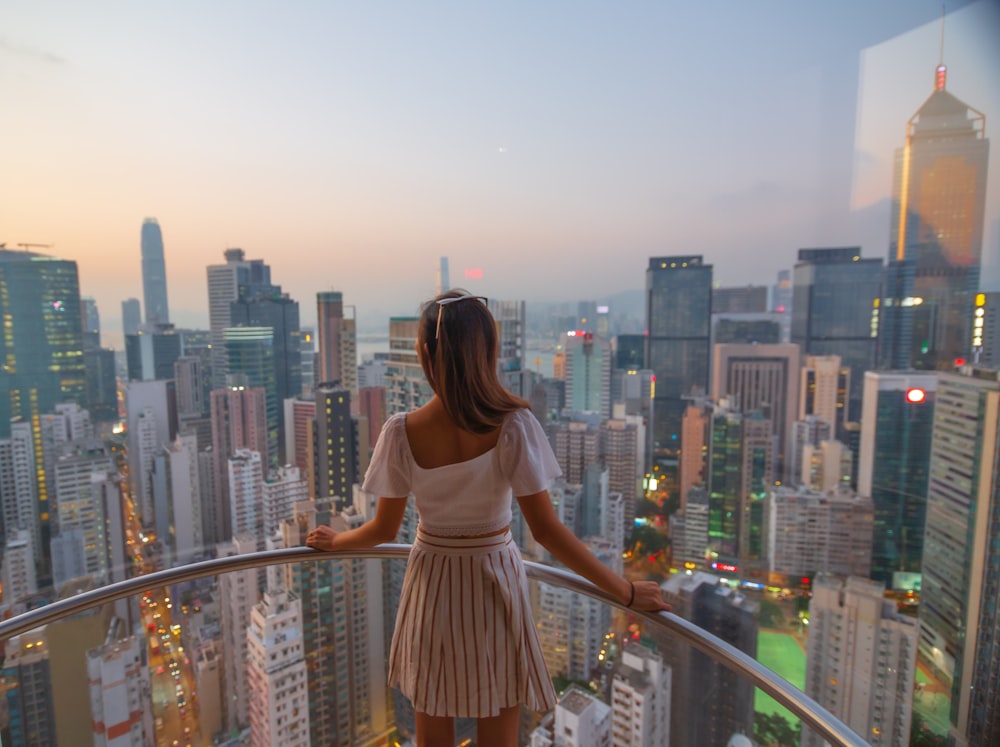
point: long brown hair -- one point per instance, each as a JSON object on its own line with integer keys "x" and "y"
{"x": 459, "y": 357}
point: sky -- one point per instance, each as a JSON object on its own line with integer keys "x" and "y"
{"x": 554, "y": 146}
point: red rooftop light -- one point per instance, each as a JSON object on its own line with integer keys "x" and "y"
{"x": 916, "y": 395}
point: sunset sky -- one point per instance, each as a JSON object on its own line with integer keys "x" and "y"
{"x": 554, "y": 145}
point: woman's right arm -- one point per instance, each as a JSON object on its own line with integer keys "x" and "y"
{"x": 383, "y": 527}
{"x": 553, "y": 535}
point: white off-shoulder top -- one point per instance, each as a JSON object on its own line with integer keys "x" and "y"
{"x": 470, "y": 497}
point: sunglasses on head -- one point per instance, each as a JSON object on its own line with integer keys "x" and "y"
{"x": 454, "y": 299}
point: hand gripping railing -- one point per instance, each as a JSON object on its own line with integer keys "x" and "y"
{"x": 828, "y": 726}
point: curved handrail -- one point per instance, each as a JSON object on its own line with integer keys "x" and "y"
{"x": 812, "y": 713}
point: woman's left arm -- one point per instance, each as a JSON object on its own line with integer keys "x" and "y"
{"x": 382, "y": 528}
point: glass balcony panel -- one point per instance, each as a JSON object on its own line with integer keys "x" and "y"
{"x": 264, "y": 648}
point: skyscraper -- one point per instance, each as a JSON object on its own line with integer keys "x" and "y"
{"x": 834, "y": 295}
{"x": 19, "y": 487}
{"x": 154, "y": 274}
{"x": 959, "y": 617}
{"x": 764, "y": 378}
{"x": 239, "y": 421}
{"x": 269, "y": 308}
{"x": 151, "y": 423}
{"x": 250, "y": 358}
{"x": 405, "y": 386}
{"x": 91, "y": 319}
{"x": 740, "y": 474}
{"x": 42, "y": 344}
{"x": 338, "y": 357}
{"x": 824, "y": 390}
{"x": 510, "y": 319}
{"x": 131, "y": 316}
{"x": 276, "y": 672}
{"x": 811, "y": 532}
{"x": 897, "y": 422}
{"x": 862, "y": 660}
{"x": 713, "y": 703}
{"x": 225, "y": 283}
{"x": 986, "y": 330}
{"x": 640, "y": 693}
{"x": 151, "y": 352}
{"x": 120, "y": 692}
{"x": 337, "y": 457}
{"x": 678, "y": 322}
{"x": 588, "y": 373}
{"x": 747, "y": 299}
{"x": 936, "y": 234}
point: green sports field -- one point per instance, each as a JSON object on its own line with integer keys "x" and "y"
{"x": 781, "y": 653}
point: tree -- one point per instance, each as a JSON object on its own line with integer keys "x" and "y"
{"x": 645, "y": 507}
{"x": 670, "y": 505}
{"x": 922, "y": 736}
{"x": 774, "y": 730}
{"x": 647, "y": 540}
{"x": 771, "y": 615}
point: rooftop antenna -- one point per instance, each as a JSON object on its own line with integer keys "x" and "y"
{"x": 941, "y": 73}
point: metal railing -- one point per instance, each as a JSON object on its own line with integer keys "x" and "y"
{"x": 828, "y": 726}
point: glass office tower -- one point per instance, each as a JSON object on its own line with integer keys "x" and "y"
{"x": 936, "y": 234}
{"x": 834, "y": 295}
{"x": 42, "y": 345}
{"x": 154, "y": 274}
{"x": 678, "y": 322}
{"x": 897, "y": 424}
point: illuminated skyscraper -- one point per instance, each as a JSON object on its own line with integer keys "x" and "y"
{"x": 41, "y": 349}
{"x": 936, "y": 234}
{"x": 338, "y": 462}
{"x": 959, "y": 616}
{"x": 897, "y": 423}
{"x": 154, "y": 274}
{"x": 740, "y": 475}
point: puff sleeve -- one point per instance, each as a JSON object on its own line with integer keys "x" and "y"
{"x": 388, "y": 474}
{"x": 526, "y": 457}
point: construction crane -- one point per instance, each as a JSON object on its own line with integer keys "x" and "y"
{"x": 28, "y": 245}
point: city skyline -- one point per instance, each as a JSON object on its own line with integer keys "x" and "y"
{"x": 380, "y": 139}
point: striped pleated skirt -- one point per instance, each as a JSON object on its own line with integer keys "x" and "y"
{"x": 465, "y": 642}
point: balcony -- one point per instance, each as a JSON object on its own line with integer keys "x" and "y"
{"x": 192, "y": 693}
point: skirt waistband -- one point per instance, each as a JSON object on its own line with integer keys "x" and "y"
{"x": 462, "y": 545}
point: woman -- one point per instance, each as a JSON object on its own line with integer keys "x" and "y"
{"x": 465, "y": 643}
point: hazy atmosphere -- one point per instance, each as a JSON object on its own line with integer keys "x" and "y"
{"x": 554, "y": 146}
